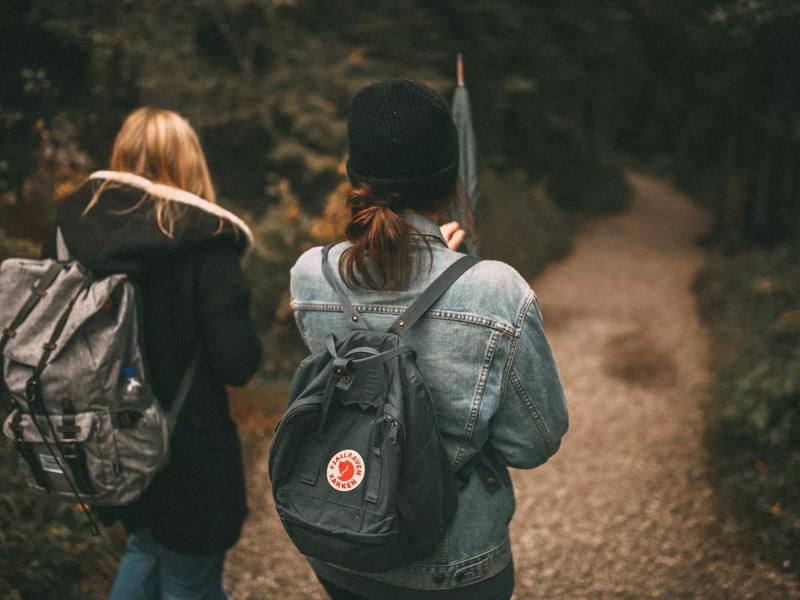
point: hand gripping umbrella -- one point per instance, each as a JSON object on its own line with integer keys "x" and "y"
{"x": 468, "y": 154}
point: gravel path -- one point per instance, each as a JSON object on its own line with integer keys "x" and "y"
{"x": 625, "y": 509}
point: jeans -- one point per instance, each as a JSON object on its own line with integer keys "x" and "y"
{"x": 149, "y": 571}
{"x": 337, "y": 593}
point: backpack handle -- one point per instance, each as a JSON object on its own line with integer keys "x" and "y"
{"x": 432, "y": 293}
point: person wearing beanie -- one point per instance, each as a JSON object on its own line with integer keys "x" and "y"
{"x": 481, "y": 348}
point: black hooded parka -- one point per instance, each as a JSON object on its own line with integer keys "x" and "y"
{"x": 193, "y": 294}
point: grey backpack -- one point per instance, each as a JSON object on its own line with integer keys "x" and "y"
{"x": 359, "y": 474}
{"x": 82, "y": 416}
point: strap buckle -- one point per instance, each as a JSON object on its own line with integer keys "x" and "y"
{"x": 16, "y": 427}
{"x": 125, "y": 419}
{"x": 342, "y": 366}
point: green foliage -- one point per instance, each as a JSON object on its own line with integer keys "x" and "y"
{"x": 46, "y": 549}
{"x": 281, "y": 235}
{"x": 752, "y": 303}
{"x": 517, "y": 209}
{"x": 17, "y": 247}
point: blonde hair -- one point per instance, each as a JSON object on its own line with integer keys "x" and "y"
{"x": 160, "y": 145}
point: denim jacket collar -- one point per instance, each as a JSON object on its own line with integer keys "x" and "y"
{"x": 425, "y": 226}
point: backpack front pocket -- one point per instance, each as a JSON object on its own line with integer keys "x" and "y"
{"x": 70, "y": 456}
{"x": 350, "y": 537}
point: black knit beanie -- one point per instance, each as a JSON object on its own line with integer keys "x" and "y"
{"x": 401, "y": 137}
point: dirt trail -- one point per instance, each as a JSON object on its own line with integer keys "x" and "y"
{"x": 625, "y": 509}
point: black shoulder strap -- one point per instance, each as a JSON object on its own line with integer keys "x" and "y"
{"x": 183, "y": 390}
{"x": 353, "y": 317}
{"x": 433, "y": 292}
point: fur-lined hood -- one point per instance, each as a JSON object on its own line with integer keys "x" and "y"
{"x": 110, "y": 238}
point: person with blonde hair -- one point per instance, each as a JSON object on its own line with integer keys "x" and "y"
{"x": 154, "y": 217}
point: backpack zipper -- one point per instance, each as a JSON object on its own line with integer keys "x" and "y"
{"x": 297, "y": 407}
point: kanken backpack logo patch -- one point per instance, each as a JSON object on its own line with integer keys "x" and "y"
{"x": 359, "y": 474}
{"x": 81, "y": 414}
{"x": 345, "y": 470}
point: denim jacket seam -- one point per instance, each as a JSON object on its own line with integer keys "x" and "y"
{"x": 526, "y": 400}
{"x": 465, "y": 562}
{"x": 512, "y": 351}
{"x": 384, "y": 309}
{"x": 418, "y": 572}
{"x": 477, "y": 399}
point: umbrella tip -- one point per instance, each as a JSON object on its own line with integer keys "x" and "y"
{"x": 460, "y": 69}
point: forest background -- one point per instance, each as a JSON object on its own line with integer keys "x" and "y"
{"x": 566, "y": 96}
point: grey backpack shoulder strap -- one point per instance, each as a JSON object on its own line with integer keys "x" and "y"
{"x": 183, "y": 391}
{"x": 353, "y": 317}
{"x": 432, "y": 293}
{"x": 62, "y": 252}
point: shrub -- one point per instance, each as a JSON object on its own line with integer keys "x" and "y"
{"x": 520, "y": 224}
{"x": 281, "y": 235}
{"x": 752, "y": 303}
{"x": 593, "y": 189}
{"x": 11, "y": 246}
{"x": 46, "y": 548}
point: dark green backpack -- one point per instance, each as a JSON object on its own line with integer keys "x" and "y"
{"x": 359, "y": 473}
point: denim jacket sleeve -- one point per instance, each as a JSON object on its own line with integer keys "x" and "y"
{"x": 532, "y": 417}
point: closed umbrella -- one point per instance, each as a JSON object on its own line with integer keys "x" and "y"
{"x": 468, "y": 154}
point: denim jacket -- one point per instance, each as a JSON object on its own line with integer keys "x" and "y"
{"x": 493, "y": 379}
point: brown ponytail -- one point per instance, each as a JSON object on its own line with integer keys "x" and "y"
{"x": 380, "y": 255}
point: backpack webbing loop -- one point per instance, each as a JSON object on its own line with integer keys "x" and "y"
{"x": 313, "y": 460}
{"x": 348, "y": 365}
